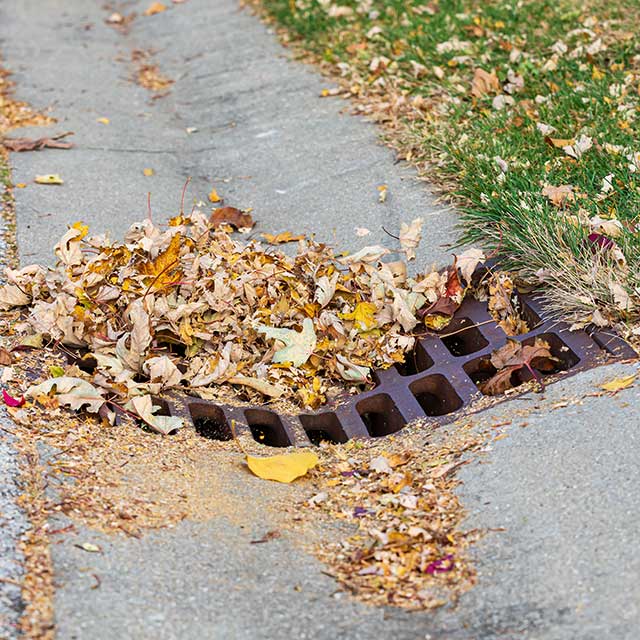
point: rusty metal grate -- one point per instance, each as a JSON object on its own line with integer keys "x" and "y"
{"x": 438, "y": 380}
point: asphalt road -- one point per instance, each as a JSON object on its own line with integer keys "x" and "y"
{"x": 563, "y": 485}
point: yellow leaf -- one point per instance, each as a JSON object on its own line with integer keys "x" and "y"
{"x": 436, "y": 322}
{"x": 82, "y": 228}
{"x": 363, "y": 315}
{"x": 282, "y": 468}
{"x": 617, "y": 384}
{"x": 103, "y": 120}
{"x": 50, "y": 178}
{"x": 21, "y": 185}
{"x": 166, "y": 267}
{"x": 281, "y": 238}
{"x": 148, "y": 172}
{"x": 155, "y": 7}
{"x": 214, "y": 197}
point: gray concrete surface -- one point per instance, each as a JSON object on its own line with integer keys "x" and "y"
{"x": 563, "y": 484}
{"x": 301, "y": 163}
{"x": 12, "y": 525}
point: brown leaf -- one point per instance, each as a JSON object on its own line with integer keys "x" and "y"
{"x": 484, "y": 83}
{"x": 29, "y": 144}
{"x": 512, "y": 357}
{"x": 231, "y": 216}
{"x": 558, "y": 143}
{"x": 5, "y": 357}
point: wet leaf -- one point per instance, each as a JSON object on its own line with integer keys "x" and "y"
{"x": 283, "y": 468}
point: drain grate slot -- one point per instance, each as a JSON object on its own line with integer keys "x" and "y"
{"x": 416, "y": 361}
{"x": 380, "y": 415}
{"x": 436, "y": 395}
{"x": 323, "y": 427}
{"x": 267, "y": 428}
{"x": 462, "y": 338}
{"x": 210, "y": 422}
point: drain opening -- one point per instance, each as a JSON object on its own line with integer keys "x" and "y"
{"x": 267, "y": 428}
{"x": 380, "y": 415}
{"x": 466, "y": 338}
{"x": 210, "y": 422}
{"x": 416, "y": 361}
{"x": 323, "y": 427}
{"x": 435, "y": 395}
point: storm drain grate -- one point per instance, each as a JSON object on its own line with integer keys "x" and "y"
{"x": 438, "y": 380}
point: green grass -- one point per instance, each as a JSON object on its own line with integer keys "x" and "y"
{"x": 588, "y": 91}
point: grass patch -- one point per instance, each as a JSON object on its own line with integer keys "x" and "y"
{"x": 553, "y": 75}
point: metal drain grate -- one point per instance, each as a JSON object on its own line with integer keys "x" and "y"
{"x": 438, "y": 380}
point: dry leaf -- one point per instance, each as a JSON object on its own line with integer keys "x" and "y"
{"x": 283, "y": 468}
{"x": 143, "y": 406}
{"x": 148, "y": 172}
{"x": 103, "y": 120}
{"x": 231, "y": 216}
{"x": 50, "y": 178}
{"x": 484, "y": 83}
{"x": 281, "y": 238}
{"x": 617, "y": 384}
{"x": 299, "y": 345}
{"x": 28, "y": 144}
{"x": 154, "y": 8}
{"x": 559, "y": 195}
{"x": 5, "y": 357}
{"x": 467, "y": 262}
{"x": 74, "y": 392}
{"x": 214, "y": 197}
{"x": 263, "y": 386}
{"x": 410, "y": 236}
{"x": 12, "y": 296}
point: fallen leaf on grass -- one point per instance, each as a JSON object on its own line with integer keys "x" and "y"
{"x": 579, "y": 147}
{"x": 49, "y": 178}
{"x": 299, "y": 345}
{"x": 154, "y": 8}
{"x": 283, "y": 468}
{"x": 10, "y": 401}
{"x": 617, "y": 384}
{"x": 281, "y": 238}
{"x": 29, "y": 144}
{"x": 484, "y": 83}
{"x": 559, "y": 195}
{"x": 73, "y": 392}
{"x": 231, "y": 216}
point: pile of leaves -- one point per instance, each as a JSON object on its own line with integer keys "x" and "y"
{"x": 228, "y": 319}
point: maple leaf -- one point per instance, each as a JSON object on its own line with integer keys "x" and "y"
{"x": 514, "y": 356}
{"x": 363, "y": 315}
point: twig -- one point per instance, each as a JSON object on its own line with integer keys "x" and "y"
{"x": 390, "y": 234}
{"x": 184, "y": 189}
